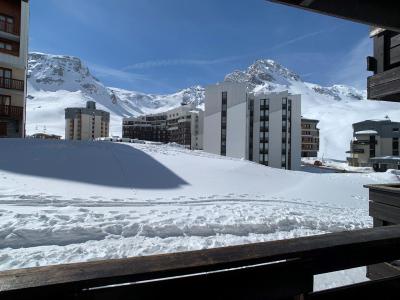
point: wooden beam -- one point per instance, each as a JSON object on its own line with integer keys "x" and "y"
{"x": 376, "y": 13}
{"x": 322, "y": 253}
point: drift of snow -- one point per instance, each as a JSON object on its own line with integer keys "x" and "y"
{"x": 64, "y": 201}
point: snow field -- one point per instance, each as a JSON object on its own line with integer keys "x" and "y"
{"x": 66, "y": 202}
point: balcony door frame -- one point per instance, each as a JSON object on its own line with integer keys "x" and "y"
{"x": 4, "y": 98}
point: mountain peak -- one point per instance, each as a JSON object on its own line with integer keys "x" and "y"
{"x": 263, "y": 72}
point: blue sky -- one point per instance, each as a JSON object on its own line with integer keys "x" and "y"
{"x": 160, "y": 46}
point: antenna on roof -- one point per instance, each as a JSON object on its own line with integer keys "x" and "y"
{"x": 387, "y": 117}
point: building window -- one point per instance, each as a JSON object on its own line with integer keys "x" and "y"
{"x": 395, "y": 146}
{"x": 251, "y": 129}
{"x": 224, "y": 108}
{"x": 7, "y": 24}
{"x": 6, "y": 46}
{"x": 372, "y": 142}
{"x": 5, "y": 100}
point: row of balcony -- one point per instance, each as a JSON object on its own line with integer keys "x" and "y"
{"x": 10, "y": 111}
{"x": 12, "y": 84}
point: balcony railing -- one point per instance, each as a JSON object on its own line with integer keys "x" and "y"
{"x": 15, "y": 112}
{"x": 385, "y": 85}
{"x": 12, "y": 84}
{"x": 282, "y": 269}
{"x": 9, "y": 28}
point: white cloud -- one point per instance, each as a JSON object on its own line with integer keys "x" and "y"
{"x": 204, "y": 62}
{"x": 177, "y": 62}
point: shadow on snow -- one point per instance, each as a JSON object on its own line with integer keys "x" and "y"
{"x": 101, "y": 163}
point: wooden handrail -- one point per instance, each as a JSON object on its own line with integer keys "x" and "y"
{"x": 11, "y": 111}
{"x": 13, "y": 84}
{"x": 311, "y": 255}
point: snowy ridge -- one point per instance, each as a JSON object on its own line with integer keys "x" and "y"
{"x": 58, "y": 81}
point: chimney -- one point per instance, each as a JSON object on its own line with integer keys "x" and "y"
{"x": 91, "y": 104}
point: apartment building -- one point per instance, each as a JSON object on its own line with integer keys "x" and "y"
{"x": 86, "y": 123}
{"x": 182, "y": 125}
{"x": 309, "y": 137}
{"x": 374, "y": 140}
{"x": 263, "y": 127}
{"x": 14, "y": 23}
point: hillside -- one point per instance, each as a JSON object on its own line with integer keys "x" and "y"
{"x": 56, "y": 82}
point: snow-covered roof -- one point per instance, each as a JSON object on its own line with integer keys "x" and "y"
{"x": 367, "y": 132}
{"x": 386, "y": 158}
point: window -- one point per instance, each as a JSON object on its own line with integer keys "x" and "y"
{"x": 5, "y": 100}
{"x": 5, "y": 73}
{"x": 7, "y": 24}
{"x": 6, "y": 46}
{"x": 395, "y": 146}
{"x": 224, "y": 105}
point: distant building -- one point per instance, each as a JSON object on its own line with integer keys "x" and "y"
{"x": 45, "y": 136}
{"x": 264, "y": 128}
{"x": 14, "y": 23}
{"x": 309, "y": 137}
{"x": 182, "y": 125}
{"x": 86, "y": 123}
{"x": 372, "y": 141}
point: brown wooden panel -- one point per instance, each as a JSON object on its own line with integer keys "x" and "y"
{"x": 389, "y": 91}
{"x": 394, "y": 55}
{"x": 384, "y": 212}
{"x": 379, "y": 46}
{"x": 395, "y": 40}
{"x": 323, "y": 253}
{"x": 384, "y": 77}
{"x": 385, "y": 197}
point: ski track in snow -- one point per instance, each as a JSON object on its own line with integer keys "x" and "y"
{"x": 238, "y": 221}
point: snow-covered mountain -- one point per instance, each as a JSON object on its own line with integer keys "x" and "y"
{"x": 56, "y": 82}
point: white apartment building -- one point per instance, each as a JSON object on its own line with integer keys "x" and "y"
{"x": 14, "y": 25}
{"x": 182, "y": 125}
{"x": 265, "y": 128}
{"x": 86, "y": 123}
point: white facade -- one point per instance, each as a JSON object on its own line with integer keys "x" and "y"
{"x": 235, "y": 119}
{"x": 264, "y": 128}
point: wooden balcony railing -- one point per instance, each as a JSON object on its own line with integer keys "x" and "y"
{"x": 12, "y": 84}
{"x": 9, "y": 28}
{"x": 385, "y": 85}
{"x": 15, "y": 112}
{"x": 270, "y": 270}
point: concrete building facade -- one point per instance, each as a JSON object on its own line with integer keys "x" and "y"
{"x": 182, "y": 125}
{"x": 373, "y": 139}
{"x": 14, "y": 26}
{"x": 264, "y": 128}
{"x": 86, "y": 123}
{"x": 309, "y": 137}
